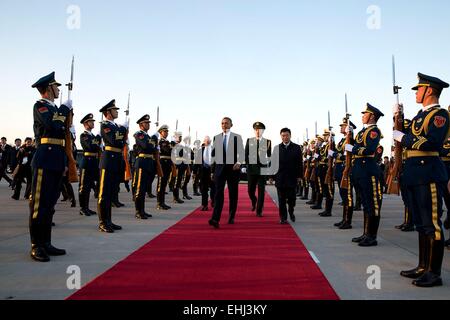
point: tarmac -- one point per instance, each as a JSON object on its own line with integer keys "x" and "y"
{"x": 344, "y": 264}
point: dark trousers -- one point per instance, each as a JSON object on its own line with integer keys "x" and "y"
{"x": 371, "y": 199}
{"x": 87, "y": 183}
{"x": 45, "y": 190}
{"x": 286, "y": 196}
{"x": 185, "y": 183}
{"x": 231, "y": 178}
{"x": 23, "y": 175}
{"x": 109, "y": 182}
{"x": 166, "y": 166}
{"x": 256, "y": 180}
{"x": 206, "y": 185}
{"x": 4, "y": 175}
{"x": 66, "y": 189}
{"x": 179, "y": 180}
{"x": 425, "y": 204}
{"x": 141, "y": 180}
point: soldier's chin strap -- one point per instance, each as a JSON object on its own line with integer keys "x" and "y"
{"x": 423, "y": 96}
{"x": 53, "y": 92}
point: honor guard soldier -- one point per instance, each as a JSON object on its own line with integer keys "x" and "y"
{"x": 365, "y": 174}
{"x": 146, "y": 165}
{"x": 425, "y": 178}
{"x": 89, "y": 163}
{"x": 407, "y": 224}
{"x": 346, "y": 194}
{"x": 114, "y": 137}
{"x": 445, "y": 157}
{"x": 182, "y": 162}
{"x": 304, "y": 187}
{"x": 188, "y": 155}
{"x": 258, "y": 151}
{"x": 48, "y": 166}
{"x": 327, "y": 188}
{"x": 165, "y": 150}
{"x": 319, "y": 162}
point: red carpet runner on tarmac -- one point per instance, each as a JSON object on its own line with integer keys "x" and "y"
{"x": 254, "y": 259}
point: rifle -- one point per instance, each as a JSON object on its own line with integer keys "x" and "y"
{"x": 394, "y": 174}
{"x": 348, "y": 155}
{"x": 157, "y": 118}
{"x": 314, "y": 165}
{"x": 329, "y": 179}
{"x": 72, "y": 173}
{"x": 127, "y": 176}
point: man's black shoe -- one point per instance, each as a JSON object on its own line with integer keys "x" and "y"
{"x": 178, "y": 201}
{"x": 85, "y": 212}
{"x": 151, "y": 195}
{"x": 413, "y": 273}
{"x": 92, "y": 212}
{"x": 284, "y": 222}
{"x": 345, "y": 226}
{"x": 359, "y": 239}
{"x": 368, "y": 242}
{"x": 338, "y": 224}
{"x": 400, "y": 226}
{"x": 214, "y": 223}
{"x": 204, "y": 208}
{"x": 292, "y": 216}
{"x": 160, "y": 207}
{"x": 52, "y": 251}
{"x": 141, "y": 216}
{"x": 115, "y": 226}
{"x": 105, "y": 228}
{"x": 428, "y": 280}
{"x": 187, "y": 197}
{"x": 408, "y": 228}
{"x": 38, "y": 253}
{"x": 231, "y": 221}
{"x": 15, "y": 197}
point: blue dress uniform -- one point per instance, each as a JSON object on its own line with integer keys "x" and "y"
{"x": 88, "y": 166}
{"x": 144, "y": 167}
{"x": 165, "y": 151}
{"x": 425, "y": 177}
{"x": 346, "y": 194}
{"x": 445, "y": 157}
{"x": 111, "y": 169}
{"x": 48, "y": 166}
{"x": 366, "y": 178}
{"x": 407, "y": 224}
{"x": 304, "y": 186}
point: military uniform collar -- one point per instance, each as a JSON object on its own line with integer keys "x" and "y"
{"x": 88, "y": 132}
{"x": 427, "y": 108}
{"x": 111, "y": 122}
{"x": 48, "y": 101}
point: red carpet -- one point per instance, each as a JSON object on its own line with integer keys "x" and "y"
{"x": 254, "y": 259}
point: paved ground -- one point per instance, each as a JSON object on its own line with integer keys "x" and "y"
{"x": 342, "y": 262}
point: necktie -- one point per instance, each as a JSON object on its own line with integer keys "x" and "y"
{"x": 257, "y": 150}
{"x": 224, "y": 149}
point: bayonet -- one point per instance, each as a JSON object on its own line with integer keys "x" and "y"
{"x": 127, "y": 111}
{"x": 70, "y": 84}
{"x": 157, "y": 117}
{"x": 396, "y": 88}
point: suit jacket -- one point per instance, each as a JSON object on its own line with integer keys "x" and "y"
{"x": 5, "y": 154}
{"x": 290, "y": 165}
{"x": 257, "y": 155}
{"x": 234, "y": 153}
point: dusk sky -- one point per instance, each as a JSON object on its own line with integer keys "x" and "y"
{"x": 285, "y": 63}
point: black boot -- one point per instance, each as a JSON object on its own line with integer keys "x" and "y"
{"x": 38, "y": 253}
{"x": 348, "y": 218}
{"x": 421, "y": 268}
{"x": 328, "y": 208}
{"x": 176, "y": 196}
{"x": 313, "y": 197}
{"x": 305, "y": 195}
{"x": 48, "y": 247}
{"x": 432, "y": 276}
{"x": 372, "y": 230}
{"x": 366, "y": 223}
{"x": 318, "y": 204}
{"x": 103, "y": 218}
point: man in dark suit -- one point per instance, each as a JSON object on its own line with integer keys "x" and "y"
{"x": 5, "y": 153}
{"x": 227, "y": 154}
{"x": 203, "y": 159}
{"x": 257, "y": 154}
{"x": 288, "y": 173}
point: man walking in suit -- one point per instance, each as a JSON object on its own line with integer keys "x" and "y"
{"x": 258, "y": 151}
{"x": 289, "y": 173}
{"x": 227, "y": 154}
{"x": 206, "y": 184}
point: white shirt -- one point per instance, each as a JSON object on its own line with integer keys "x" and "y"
{"x": 207, "y": 155}
{"x": 50, "y": 102}
{"x": 227, "y": 135}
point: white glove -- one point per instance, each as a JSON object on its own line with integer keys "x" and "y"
{"x": 349, "y": 147}
{"x": 72, "y": 130}
{"x": 330, "y": 153}
{"x": 125, "y": 124}
{"x": 398, "y": 135}
{"x": 397, "y": 108}
{"x": 244, "y": 170}
{"x": 68, "y": 104}
{"x": 348, "y": 129}
{"x": 308, "y": 157}
{"x": 316, "y": 155}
